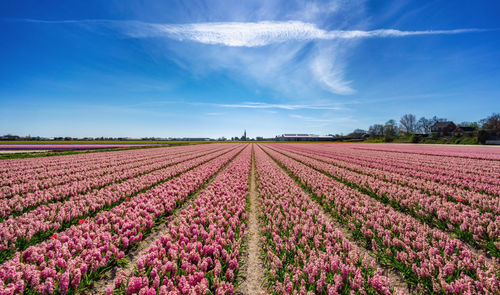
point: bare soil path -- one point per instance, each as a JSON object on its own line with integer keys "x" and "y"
{"x": 253, "y": 268}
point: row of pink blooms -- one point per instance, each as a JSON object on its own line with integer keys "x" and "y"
{"x": 52, "y": 216}
{"x": 89, "y": 182}
{"x": 454, "y": 165}
{"x": 412, "y": 178}
{"x": 24, "y": 182}
{"x": 41, "y": 168}
{"x": 200, "y": 250}
{"x": 445, "y": 178}
{"x": 484, "y": 227}
{"x": 382, "y": 169}
{"x": 41, "y": 164}
{"x": 429, "y": 254}
{"x": 472, "y": 152}
{"x": 62, "y": 263}
{"x": 303, "y": 252}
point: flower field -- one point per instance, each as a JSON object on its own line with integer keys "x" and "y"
{"x": 332, "y": 219}
{"x": 66, "y": 146}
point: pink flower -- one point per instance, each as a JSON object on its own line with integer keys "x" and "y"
{"x": 229, "y": 274}
{"x": 135, "y": 284}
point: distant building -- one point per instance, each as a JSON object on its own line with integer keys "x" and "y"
{"x": 443, "y": 128}
{"x": 303, "y": 137}
{"x": 10, "y": 137}
{"x": 191, "y": 139}
{"x": 461, "y": 131}
{"x": 244, "y": 137}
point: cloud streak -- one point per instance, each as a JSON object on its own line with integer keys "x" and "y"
{"x": 324, "y": 61}
{"x": 260, "y": 105}
{"x": 254, "y": 34}
{"x": 249, "y": 34}
{"x": 319, "y": 120}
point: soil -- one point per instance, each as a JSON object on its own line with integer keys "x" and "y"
{"x": 253, "y": 268}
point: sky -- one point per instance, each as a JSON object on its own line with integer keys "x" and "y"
{"x": 121, "y": 68}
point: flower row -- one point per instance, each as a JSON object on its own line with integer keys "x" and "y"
{"x": 200, "y": 251}
{"x": 453, "y": 164}
{"x": 481, "y": 153}
{"x": 445, "y": 174}
{"x": 30, "y": 180}
{"x": 302, "y": 250}
{"x": 19, "y": 231}
{"x": 43, "y": 163}
{"x": 469, "y": 223}
{"x": 429, "y": 258}
{"x": 76, "y": 256}
{"x": 425, "y": 184}
{"x": 105, "y": 177}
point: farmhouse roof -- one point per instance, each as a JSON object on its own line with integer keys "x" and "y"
{"x": 442, "y": 124}
{"x": 466, "y": 129}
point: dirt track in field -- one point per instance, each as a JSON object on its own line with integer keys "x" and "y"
{"x": 253, "y": 268}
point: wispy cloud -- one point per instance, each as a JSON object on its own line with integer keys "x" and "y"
{"x": 330, "y": 71}
{"x": 275, "y": 66}
{"x": 322, "y": 120}
{"x": 244, "y": 105}
{"x": 250, "y": 34}
{"x": 260, "y": 105}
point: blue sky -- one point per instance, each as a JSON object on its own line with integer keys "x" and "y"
{"x": 215, "y": 68}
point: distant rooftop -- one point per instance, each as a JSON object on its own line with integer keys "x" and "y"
{"x": 442, "y": 124}
{"x": 304, "y": 135}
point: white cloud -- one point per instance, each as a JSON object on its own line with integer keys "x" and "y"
{"x": 322, "y": 120}
{"x": 330, "y": 72}
{"x": 248, "y": 34}
{"x": 272, "y": 53}
{"x": 252, "y": 34}
{"x": 259, "y": 105}
{"x": 326, "y": 65}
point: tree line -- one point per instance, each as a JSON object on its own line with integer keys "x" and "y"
{"x": 409, "y": 125}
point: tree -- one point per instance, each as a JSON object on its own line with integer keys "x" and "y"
{"x": 424, "y": 125}
{"x": 435, "y": 119}
{"x": 376, "y": 130}
{"x": 357, "y": 133}
{"x": 408, "y": 123}
{"x": 482, "y": 136}
{"x": 491, "y": 122}
{"x": 390, "y": 130}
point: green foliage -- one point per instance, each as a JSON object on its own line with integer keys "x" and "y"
{"x": 469, "y": 140}
{"x": 416, "y": 138}
{"x": 482, "y": 136}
